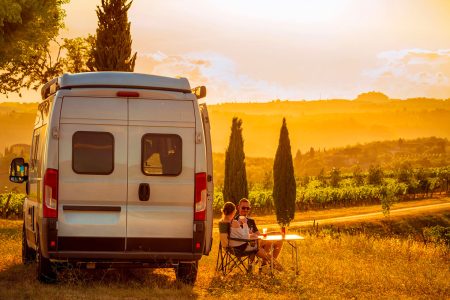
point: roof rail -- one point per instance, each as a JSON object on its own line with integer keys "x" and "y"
{"x": 49, "y": 88}
{"x": 119, "y": 80}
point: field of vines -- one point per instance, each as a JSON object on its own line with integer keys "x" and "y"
{"x": 320, "y": 194}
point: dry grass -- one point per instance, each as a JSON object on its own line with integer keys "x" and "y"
{"x": 345, "y": 267}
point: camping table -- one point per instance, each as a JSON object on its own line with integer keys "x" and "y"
{"x": 291, "y": 239}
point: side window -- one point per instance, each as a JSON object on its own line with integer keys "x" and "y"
{"x": 93, "y": 152}
{"x": 161, "y": 154}
{"x": 35, "y": 150}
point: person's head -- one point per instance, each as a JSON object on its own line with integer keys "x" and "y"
{"x": 244, "y": 207}
{"x": 229, "y": 210}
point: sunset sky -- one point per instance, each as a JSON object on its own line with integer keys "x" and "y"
{"x": 260, "y": 50}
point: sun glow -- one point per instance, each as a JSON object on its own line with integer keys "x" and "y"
{"x": 287, "y": 11}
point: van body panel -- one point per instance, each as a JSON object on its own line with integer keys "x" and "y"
{"x": 209, "y": 182}
{"x": 97, "y": 109}
{"x": 163, "y": 111}
{"x": 91, "y": 189}
{"x": 169, "y": 210}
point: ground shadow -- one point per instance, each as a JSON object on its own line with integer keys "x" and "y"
{"x": 14, "y": 278}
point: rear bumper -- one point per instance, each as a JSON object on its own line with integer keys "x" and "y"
{"x": 138, "y": 256}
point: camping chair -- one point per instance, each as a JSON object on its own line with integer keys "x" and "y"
{"x": 229, "y": 258}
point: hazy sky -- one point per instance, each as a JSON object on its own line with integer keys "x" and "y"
{"x": 259, "y": 50}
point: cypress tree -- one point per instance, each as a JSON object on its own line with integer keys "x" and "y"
{"x": 112, "y": 48}
{"x": 284, "y": 188}
{"x": 235, "y": 182}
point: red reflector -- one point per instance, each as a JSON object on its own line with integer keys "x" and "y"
{"x": 127, "y": 94}
{"x": 197, "y": 245}
{"x": 52, "y": 243}
{"x": 200, "y": 197}
{"x": 50, "y": 193}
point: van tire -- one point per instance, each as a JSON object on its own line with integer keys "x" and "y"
{"x": 28, "y": 254}
{"x": 45, "y": 270}
{"x": 187, "y": 272}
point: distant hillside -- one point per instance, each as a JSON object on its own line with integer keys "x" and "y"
{"x": 327, "y": 126}
{"x": 16, "y": 123}
{"x": 318, "y": 124}
{"x": 328, "y": 123}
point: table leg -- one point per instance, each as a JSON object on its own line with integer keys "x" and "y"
{"x": 296, "y": 259}
{"x": 294, "y": 253}
{"x": 271, "y": 258}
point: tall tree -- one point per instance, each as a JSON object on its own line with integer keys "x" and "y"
{"x": 235, "y": 184}
{"x": 284, "y": 188}
{"x": 112, "y": 51}
{"x": 26, "y": 29}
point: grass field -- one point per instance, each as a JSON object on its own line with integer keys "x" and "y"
{"x": 332, "y": 266}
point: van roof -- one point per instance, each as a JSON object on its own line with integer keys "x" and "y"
{"x": 116, "y": 80}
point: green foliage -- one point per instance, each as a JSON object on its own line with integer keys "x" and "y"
{"x": 235, "y": 185}
{"x": 26, "y": 28}
{"x": 11, "y": 204}
{"x": 376, "y": 175}
{"x": 388, "y": 195}
{"x": 317, "y": 196}
{"x": 112, "y": 51}
{"x": 268, "y": 180}
{"x": 335, "y": 177}
{"x": 404, "y": 172}
{"x": 284, "y": 187}
{"x": 437, "y": 234}
{"x": 321, "y": 177}
{"x": 358, "y": 176}
{"x": 79, "y": 57}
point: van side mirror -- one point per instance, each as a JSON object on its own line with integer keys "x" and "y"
{"x": 18, "y": 172}
{"x": 199, "y": 92}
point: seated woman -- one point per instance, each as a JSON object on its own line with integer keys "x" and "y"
{"x": 239, "y": 230}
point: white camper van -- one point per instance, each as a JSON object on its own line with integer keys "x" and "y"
{"x": 120, "y": 174}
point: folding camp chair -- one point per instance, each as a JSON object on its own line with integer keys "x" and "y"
{"x": 230, "y": 258}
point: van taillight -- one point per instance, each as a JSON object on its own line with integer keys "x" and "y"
{"x": 200, "y": 197}
{"x": 50, "y": 202}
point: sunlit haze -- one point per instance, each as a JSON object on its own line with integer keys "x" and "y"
{"x": 260, "y": 50}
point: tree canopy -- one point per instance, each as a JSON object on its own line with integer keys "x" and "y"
{"x": 235, "y": 185}
{"x": 112, "y": 49}
{"x": 284, "y": 186}
{"x": 26, "y": 29}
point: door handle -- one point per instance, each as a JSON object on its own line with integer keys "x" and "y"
{"x": 144, "y": 191}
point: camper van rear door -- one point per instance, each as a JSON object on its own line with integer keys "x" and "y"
{"x": 161, "y": 154}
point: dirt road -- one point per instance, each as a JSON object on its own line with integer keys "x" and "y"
{"x": 375, "y": 215}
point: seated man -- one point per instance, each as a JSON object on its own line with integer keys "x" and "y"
{"x": 244, "y": 209}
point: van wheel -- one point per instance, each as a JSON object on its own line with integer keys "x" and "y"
{"x": 45, "y": 270}
{"x": 187, "y": 272}
{"x": 28, "y": 254}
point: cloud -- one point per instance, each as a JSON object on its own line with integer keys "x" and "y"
{"x": 413, "y": 73}
{"x": 218, "y": 73}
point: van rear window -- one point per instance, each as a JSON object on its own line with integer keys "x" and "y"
{"x": 93, "y": 152}
{"x": 161, "y": 154}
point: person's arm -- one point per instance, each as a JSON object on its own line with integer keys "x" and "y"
{"x": 252, "y": 224}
